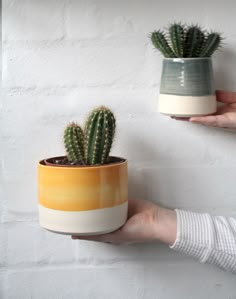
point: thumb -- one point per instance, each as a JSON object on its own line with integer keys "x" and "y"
{"x": 226, "y": 96}
{"x": 212, "y": 120}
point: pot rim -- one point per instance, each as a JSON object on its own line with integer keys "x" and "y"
{"x": 186, "y": 58}
{"x": 122, "y": 161}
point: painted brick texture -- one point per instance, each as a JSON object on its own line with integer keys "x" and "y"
{"x": 60, "y": 59}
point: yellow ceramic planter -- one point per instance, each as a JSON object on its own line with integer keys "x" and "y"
{"x": 83, "y": 199}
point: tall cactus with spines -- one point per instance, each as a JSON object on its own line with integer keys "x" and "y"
{"x": 99, "y": 134}
{"x": 194, "y": 41}
{"x": 212, "y": 43}
{"x": 160, "y": 42}
{"x": 74, "y": 143}
{"x": 186, "y": 41}
{"x": 177, "y": 37}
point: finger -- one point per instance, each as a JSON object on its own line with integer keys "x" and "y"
{"x": 180, "y": 118}
{"x": 101, "y": 238}
{"x": 226, "y": 96}
{"x": 113, "y": 238}
{"x": 212, "y": 120}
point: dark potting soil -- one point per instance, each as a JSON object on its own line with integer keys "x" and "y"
{"x": 63, "y": 161}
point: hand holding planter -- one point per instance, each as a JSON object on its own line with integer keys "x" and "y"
{"x": 187, "y": 84}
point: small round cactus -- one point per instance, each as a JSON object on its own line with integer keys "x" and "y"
{"x": 99, "y": 134}
{"x": 74, "y": 143}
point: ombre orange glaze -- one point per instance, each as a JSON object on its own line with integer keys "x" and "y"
{"x": 82, "y": 188}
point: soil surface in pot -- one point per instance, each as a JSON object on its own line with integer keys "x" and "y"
{"x": 63, "y": 161}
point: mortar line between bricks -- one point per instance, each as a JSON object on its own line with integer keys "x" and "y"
{"x": 64, "y": 41}
{"x": 61, "y": 90}
{"x": 104, "y": 264}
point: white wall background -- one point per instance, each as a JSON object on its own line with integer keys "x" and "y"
{"x": 62, "y": 57}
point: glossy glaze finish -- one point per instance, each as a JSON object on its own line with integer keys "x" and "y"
{"x": 187, "y": 77}
{"x": 82, "y": 188}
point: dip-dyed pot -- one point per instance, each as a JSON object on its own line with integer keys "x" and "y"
{"x": 83, "y": 200}
{"x": 187, "y": 87}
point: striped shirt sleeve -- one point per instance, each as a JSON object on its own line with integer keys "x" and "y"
{"x": 210, "y": 239}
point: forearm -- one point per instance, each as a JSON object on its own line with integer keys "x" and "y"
{"x": 210, "y": 239}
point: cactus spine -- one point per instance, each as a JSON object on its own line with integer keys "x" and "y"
{"x": 160, "y": 42}
{"x": 176, "y": 32}
{"x": 99, "y": 134}
{"x": 74, "y": 143}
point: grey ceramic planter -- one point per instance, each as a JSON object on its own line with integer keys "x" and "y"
{"x": 187, "y": 87}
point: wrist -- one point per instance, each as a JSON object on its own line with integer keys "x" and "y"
{"x": 166, "y": 225}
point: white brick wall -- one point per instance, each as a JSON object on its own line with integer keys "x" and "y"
{"x": 60, "y": 59}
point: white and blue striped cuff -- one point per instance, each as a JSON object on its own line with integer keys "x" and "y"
{"x": 194, "y": 234}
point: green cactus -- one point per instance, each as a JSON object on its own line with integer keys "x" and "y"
{"x": 74, "y": 143}
{"x": 194, "y": 41}
{"x": 160, "y": 42}
{"x": 212, "y": 43}
{"x": 99, "y": 133}
{"x": 177, "y": 36}
{"x": 186, "y": 41}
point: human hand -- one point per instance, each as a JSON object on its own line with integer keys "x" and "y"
{"x": 146, "y": 222}
{"x": 225, "y": 117}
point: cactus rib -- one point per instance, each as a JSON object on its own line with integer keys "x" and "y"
{"x": 211, "y": 44}
{"x": 193, "y": 41}
{"x": 74, "y": 143}
{"x": 176, "y": 33}
{"x": 160, "y": 42}
{"x": 99, "y": 134}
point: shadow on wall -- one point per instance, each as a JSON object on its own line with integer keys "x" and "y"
{"x": 224, "y": 69}
{"x": 137, "y": 184}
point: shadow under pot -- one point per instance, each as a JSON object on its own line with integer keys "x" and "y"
{"x": 187, "y": 87}
{"x": 81, "y": 199}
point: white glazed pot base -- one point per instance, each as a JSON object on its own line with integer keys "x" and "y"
{"x": 187, "y": 106}
{"x": 92, "y": 222}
